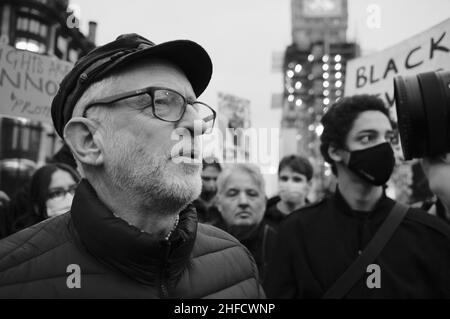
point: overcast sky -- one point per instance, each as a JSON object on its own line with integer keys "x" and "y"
{"x": 241, "y": 35}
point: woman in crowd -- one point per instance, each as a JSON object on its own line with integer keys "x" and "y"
{"x": 294, "y": 181}
{"x": 49, "y": 194}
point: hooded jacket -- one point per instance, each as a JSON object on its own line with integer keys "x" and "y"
{"x": 90, "y": 253}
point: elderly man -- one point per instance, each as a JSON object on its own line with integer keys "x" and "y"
{"x": 131, "y": 232}
{"x": 241, "y": 201}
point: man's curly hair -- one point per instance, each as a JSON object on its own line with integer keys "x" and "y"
{"x": 338, "y": 121}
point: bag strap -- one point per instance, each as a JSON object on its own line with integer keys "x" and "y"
{"x": 356, "y": 270}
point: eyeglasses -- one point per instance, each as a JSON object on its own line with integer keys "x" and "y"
{"x": 61, "y": 191}
{"x": 167, "y": 105}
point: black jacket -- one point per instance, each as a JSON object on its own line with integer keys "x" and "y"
{"x": 273, "y": 216}
{"x": 261, "y": 244}
{"x": 117, "y": 260}
{"x": 318, "y": 243}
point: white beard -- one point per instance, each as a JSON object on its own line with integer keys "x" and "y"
{"x": 151, "y": 178}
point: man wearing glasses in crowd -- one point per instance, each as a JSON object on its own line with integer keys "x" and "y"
{"x": 131, "y": 231}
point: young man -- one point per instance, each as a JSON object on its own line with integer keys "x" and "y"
{"x": 131, "y": 232}
{"x": 318, "y": 243}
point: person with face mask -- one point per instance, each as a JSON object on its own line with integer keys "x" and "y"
{"x": 51, "y": 192}
{"x": 320, "y": 249}
{"x": 294, "y": 181}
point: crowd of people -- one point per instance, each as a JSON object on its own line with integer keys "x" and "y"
{"x": 141, "y": 225}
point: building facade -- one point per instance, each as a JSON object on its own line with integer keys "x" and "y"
{"x": 45, "y": 27}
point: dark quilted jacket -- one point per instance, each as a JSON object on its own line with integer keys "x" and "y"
{"x": 117, "y": 260}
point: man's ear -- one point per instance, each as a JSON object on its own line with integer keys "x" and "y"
{"x": 79, "y": 134}
{"x": 335, "y": 153}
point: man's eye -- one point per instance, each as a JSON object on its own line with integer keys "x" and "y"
{"x": 56, "y": 193}
{"x": 162, "y": 106}
{"x": 297, "y": 179}
{"x": 283, "y": 178}
{"x": 232, "y": 193}
{"x": 365, "y": 139}
{"x": 252, "y": 193}
{"x": 162, "y": 101}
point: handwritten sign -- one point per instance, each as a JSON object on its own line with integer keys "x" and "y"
{"x": 374, "y": 74}
{"x": 28, "y": 83}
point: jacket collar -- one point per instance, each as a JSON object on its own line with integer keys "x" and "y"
{"x": 380, "y": 211}
{"x": 126, "y": 248}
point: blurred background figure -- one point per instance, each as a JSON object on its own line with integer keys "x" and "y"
{"x": 294, "y": 182}
{"x": 241, "y": 200}
{"x": 49, "y": 194}
{"x": 64, "y": 156}
{"x": 4, "y": 200}
{"x": 437, "y": 170}
{"x": 206, "y": 211}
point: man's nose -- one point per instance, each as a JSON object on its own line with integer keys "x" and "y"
{"x": 192, "y": 121}
{"x": 243, "y": 199}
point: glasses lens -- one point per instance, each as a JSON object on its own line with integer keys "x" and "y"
{"x": 168, "y": 105}
{"x": 55, "y": 193}
{"x": 206, "y": 114}
{"x": 61, "y": 192}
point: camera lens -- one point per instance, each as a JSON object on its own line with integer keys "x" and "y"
{"x": 423, "y": 108}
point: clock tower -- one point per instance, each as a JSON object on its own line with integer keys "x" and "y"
{"x": 318, "y": 21}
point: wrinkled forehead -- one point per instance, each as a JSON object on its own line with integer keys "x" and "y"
{"x": 239, "y": 179}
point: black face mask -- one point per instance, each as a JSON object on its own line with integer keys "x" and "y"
{"x": 374, "y": 164}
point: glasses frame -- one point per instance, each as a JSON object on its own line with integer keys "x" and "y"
{"x": 151, "y": 91}
{"x": 68, "y": 190}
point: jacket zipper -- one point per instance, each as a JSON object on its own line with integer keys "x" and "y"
{"x": 164, "y": 292}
